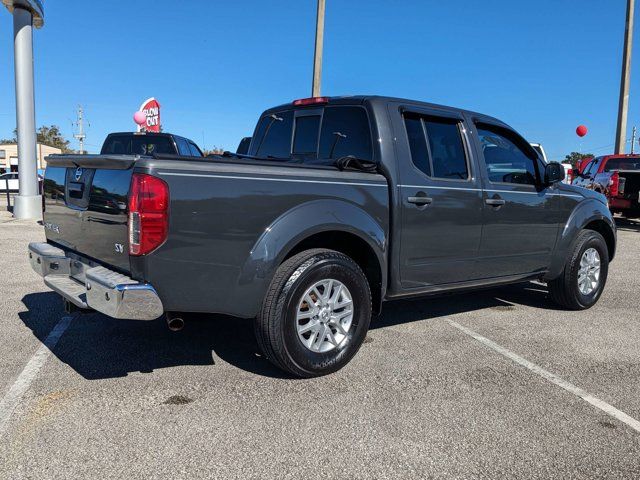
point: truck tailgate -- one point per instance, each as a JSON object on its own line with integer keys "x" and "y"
{"x": 85, "y": 206}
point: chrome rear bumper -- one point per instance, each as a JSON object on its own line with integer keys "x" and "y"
{"x": 88, "y": 285}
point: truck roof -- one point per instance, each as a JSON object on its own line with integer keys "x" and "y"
{"x": 156, "y": 134}
{"x": 383, "y": 100}
{"x": 619, "y": 155}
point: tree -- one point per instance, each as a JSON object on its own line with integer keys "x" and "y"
{"x": 50, "y": 135}
{"x": 214, "y": 151}
{"x": 53, "y": 137}
{"x": 574, "y": 158}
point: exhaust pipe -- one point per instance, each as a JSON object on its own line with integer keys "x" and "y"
{"x": 174, "y": 322}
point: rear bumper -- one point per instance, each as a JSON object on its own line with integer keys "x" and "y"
{"x": 88, "y": 285}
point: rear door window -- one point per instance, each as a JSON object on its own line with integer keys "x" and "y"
{"x": 418, "y": 143}
{"x": 345, "y": 131}
{"x": 436, "y": 146}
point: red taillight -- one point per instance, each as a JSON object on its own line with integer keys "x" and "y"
{"x": 310, "y": 101}
{"x": 614, "y": 183}
{"x": 148, "y": 213}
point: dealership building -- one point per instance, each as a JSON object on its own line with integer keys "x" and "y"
{"x": 9, "y": 156}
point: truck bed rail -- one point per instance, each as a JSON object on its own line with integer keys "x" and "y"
{"x": 112, "y": 162}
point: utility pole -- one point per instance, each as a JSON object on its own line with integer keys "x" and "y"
{"x": 623, "y": 106}
{"x": 633, "y": 139}
{"x": 26, "y": 15}
{"x": 317, "y": 56}
{"x": 80, "y": 136}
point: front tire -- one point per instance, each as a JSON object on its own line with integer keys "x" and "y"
{"x": 316, "y": 313}
{"x": 585, "y": 273}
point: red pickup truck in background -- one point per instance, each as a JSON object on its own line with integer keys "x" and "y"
{"x": 617, "y": 177}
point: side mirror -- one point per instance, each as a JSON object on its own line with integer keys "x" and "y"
{"x": 553, "y": 173}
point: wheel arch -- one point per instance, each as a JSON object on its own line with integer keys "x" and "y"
{"x": 590, "y": 214}
{"x": 325, "y": 223}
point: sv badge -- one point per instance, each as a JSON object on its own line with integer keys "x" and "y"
{"x": 119, "y": 248}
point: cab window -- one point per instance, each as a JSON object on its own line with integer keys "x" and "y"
{"x": 183, "y": 147}
{"x": 506, "y": 160}
{"x": 305, "y": 139}
{"x": 436, "y": 146}
{"x": 345, "y": 131}
{"x": 195, "y": 151}
{"x": 592, "y": 168}
{"x": 273, "y": 136}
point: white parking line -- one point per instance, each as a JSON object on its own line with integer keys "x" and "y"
{"x": 569, "y": 387}
{"x": 10, "y": 401}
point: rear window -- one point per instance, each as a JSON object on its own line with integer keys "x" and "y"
{"x": 273, "y": 136}
{"x": 305, "y": 140}
{"x": 339, "y": 132}
{"x": 137, "y": 145}
{"x": 345, "y": 131}
{"x": 622, "y": 164}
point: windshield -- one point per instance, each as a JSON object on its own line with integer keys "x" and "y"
{"x": 622, "y": 164}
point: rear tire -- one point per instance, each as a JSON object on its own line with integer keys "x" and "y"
{"x": 585, "y": 273}
{"x": 316, "y": 313}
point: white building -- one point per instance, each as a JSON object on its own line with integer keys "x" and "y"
{"x": 9, "y": 156}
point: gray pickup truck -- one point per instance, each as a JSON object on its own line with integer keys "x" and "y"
{"x": 338, "y": 205}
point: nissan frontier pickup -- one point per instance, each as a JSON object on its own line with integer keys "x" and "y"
{"x": 338, "y": 204}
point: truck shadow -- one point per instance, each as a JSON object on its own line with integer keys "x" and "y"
{"x": 99, "y": 347}
{"x": 627, "y": 225}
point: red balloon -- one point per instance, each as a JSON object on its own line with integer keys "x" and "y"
{"x": 581, "y": 131}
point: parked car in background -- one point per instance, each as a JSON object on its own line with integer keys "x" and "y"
{"x": 243, "y": 146}
{"x": 11, "y": 181}
{"x": 540, "y": 149}
{"x": 617, "y": 177}
{"x": 581, "y": 164}
{"x": 339, "y": 204}
{"x": 149, "y": 143}
{"x": 568, "y": 171}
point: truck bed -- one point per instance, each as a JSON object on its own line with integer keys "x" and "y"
{"x": 219, "y": 212}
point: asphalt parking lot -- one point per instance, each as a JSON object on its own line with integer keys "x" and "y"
{"x": 423, "y": 398}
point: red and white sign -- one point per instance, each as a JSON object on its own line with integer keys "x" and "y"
{"x": 151, "y": 108}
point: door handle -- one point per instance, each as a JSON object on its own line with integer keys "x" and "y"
{"x": 494, "y": 202}
{"x": 420, "y": 200}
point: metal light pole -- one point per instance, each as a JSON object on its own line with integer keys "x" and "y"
{"x": 623, "y": 106}
{"x": 26, "y": 14}
{"x": 317, "y": 57}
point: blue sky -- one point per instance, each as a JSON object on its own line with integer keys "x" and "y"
{"x": 544, "y": 67}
